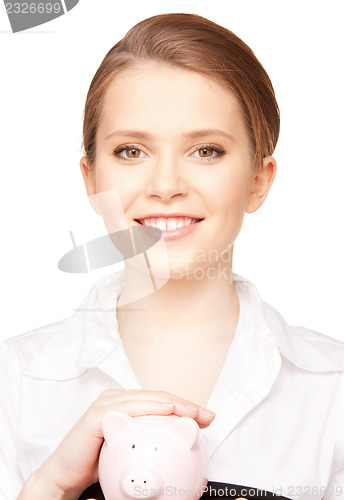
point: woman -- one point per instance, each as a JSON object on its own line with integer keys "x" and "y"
{"x": 180, "y": 126}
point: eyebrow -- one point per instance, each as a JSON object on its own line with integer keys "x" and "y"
{"x": 189, "y": 135}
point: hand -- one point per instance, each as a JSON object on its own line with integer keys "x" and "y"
{"x": 73, "y": 466}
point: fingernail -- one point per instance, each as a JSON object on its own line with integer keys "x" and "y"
{"x": 168, "y": 405}
{"x": 190, "y": 407}
{"x": 203, "y": 412}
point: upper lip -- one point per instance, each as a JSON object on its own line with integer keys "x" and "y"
{"x": 167, "y": 215}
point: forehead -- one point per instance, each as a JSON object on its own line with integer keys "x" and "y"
{"x": 166, "y": 100}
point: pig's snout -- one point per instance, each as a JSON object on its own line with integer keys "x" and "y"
{"x": 142, "y": 483}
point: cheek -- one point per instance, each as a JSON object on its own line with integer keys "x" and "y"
{"x": 123, "y": 183}
{"x": 228, "y": 195}
{"x": 114, "y": 194}
{"x": 227, "y": 203}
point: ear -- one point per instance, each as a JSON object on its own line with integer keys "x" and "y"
{"x": 187, "y": 429}
{"x": 88, "y": 174}
{"x": 113, "y": 423}
{"x": 260, "y": 184}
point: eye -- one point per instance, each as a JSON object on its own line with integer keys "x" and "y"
{"x": 208, "y": 152}
{"x": 133, "y": 446}
{"x": 155, "y": 448}
{"x": 129, "y": 152}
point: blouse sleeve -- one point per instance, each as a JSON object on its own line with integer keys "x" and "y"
{"x": 335, "y": 487}
{"x": 11, "y": 482}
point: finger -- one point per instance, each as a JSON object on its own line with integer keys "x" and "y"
{"x": 153, "y": 406}
{"x": 202, "y": 416}
{"x": 203, "y": 426}
{"x": 114, "y": 395}
{"x": 143, "y": 407}
{"x": 183, "y": 407}
{"x": 204, "y": 419}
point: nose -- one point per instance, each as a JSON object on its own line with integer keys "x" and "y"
{"x": 167, "y": 178}
{"x": 142, "y": 483}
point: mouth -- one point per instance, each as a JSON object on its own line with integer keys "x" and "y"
{"x": 172, "y": 226}
{"x": 168, "y": 223}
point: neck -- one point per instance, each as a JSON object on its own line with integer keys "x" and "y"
{"x": 203, "y": 305}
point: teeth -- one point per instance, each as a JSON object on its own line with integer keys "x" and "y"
{"x": 161, "y": 224}
{"x": 171, "y": 224}
{"x": 168, "y": 223}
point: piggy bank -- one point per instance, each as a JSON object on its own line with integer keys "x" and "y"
{"x": 152, "y": 456}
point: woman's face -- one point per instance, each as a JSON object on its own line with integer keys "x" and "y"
{"x": 173, "y": 141}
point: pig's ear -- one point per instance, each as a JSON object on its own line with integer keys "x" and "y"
{"x": 113, "y": 423}
{"x": 187, "y": 429}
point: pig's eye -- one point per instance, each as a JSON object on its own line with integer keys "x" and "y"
{"x": 155, "y": 449}
{"x": 133, "y": 446}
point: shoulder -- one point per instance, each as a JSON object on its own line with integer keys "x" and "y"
{"x": 33, "y": 340}
{"x": 53, "y": 350}
{"x": 310, "y": 349}
{"x": 46, "y": 350}
{"x": 305, "y": 347}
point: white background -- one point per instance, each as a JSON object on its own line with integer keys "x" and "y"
{"x": 291, "y": 248}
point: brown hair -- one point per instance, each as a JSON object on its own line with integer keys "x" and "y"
{"x": 191, "y": 42}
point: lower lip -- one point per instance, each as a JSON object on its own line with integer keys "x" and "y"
{"x": 173, "y": 234}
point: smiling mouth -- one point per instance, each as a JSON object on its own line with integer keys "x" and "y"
{"x": 168, "y": 223}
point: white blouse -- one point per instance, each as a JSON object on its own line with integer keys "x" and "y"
{"x": 279, "y": 399}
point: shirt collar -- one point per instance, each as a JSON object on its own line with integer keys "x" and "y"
{"x": 93, "y": 340}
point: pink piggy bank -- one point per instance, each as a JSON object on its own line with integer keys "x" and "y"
{"x": 152, "y": 456}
